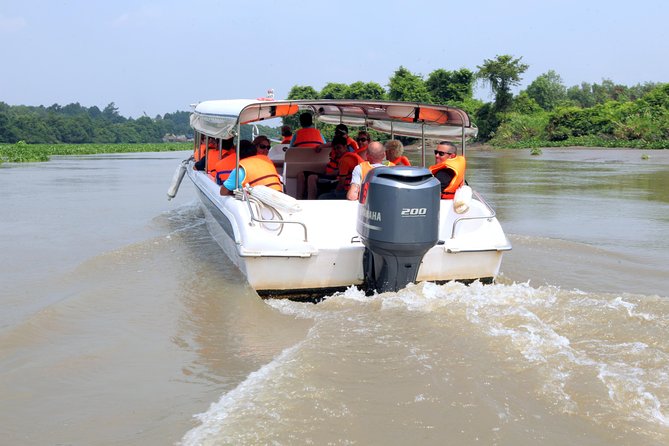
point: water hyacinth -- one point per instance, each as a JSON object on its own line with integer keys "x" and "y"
{"x": 22, "y": 152}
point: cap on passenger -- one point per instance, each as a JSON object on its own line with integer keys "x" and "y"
{"x": 341, "y": 128}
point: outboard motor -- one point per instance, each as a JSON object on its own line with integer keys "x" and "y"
{"x": 398, "y": 221}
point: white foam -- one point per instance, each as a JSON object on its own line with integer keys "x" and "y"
{"x": 212, "y": 419}
{"x": 559, "y": 334}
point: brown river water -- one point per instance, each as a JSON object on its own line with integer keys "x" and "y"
{"x": 122, "y": 322}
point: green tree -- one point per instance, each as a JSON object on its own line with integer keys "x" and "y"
{"x": 74, "y": 132}
{"x": 334, "y": 90}
{"x": 94, "y": 112}
{"x": 125, "y": 133}
{"x": 110, "y": 113}
{"x": 298, "y": 92}
{"x": 177, "y": 123}
{"x": 448, "y": 87}
{"x": 406, "y": 86}
{"x": 657, "y": 98}
{"x": 103, "y": 135}
{"x": 73, "y": 109}
{"x": 581, "y": 95}
{"x": 302, "y": 92}
{"x": 501, "y": 74}
{"x": 147, "y": 130}
{"x": 369, "y": 90}
{"x": 605, "y": 91}
{"x": 524, "y": 104}
{"x": 547, "y": 90}
{"x": 33, "y": 130}
{"x": 487, "y": 120}
{"x": 638, "y": 91}
{"x": 7, "y": 130}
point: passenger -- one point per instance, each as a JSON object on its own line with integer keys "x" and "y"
{"x": 199, "y": 153}
{"x": 262, "y": 145}
{"x": 347, "y": 162}
{"x": 449, "y": 168}
{"x": 308, "y": 136}
{"x": 211, "y": 156}
{"x": 228, "y": 147}
{"x": 221, "y": 170}
{"x": 253, "y": 170}
{"x": 342, "y": 130}
{"x": 376, "y": 155}
{"x": 363, "y": 139}
{"x": 317, "y": 183}
{"x": 286, "y": 134}
{"x": 394, "y": 150}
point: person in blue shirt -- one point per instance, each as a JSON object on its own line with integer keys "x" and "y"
{"x": 246, "y": 149}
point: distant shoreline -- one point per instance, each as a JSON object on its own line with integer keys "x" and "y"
{"x": 17, "y": 153}
{"x": 478, "y": 146}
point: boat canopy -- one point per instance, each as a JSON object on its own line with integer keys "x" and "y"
{"x": 221, "y": 118}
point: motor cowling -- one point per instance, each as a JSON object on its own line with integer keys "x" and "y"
{"x": 398, "y": 222}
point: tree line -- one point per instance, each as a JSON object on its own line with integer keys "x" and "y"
{"x": 75, "y": 124}
{"x": 545, "y": 113}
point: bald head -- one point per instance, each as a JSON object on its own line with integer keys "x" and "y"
{"x": 375, "y": 152}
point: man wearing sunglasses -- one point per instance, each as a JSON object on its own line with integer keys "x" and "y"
{"x": 254, "y": 169}
{"x": 262, "y": 145}
{"x": 363, "y": 139}
{"x": 449, "y": 168}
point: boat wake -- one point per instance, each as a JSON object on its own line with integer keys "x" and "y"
{"x": 566, "y": 356}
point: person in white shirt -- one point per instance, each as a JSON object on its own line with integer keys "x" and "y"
{"x": 376, "y": 155}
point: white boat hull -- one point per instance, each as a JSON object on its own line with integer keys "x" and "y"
{"x": 318, "y": 248}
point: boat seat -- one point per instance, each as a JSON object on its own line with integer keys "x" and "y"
{"x": 278, "y": 152}
{"x": 298, "y": 160}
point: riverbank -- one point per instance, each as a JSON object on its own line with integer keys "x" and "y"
{"x": 22, "y": 152}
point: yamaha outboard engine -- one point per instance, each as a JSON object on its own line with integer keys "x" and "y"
{"x": 398, "y": 221}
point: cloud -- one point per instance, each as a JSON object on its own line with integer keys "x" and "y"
{"x": 11, "y": 24}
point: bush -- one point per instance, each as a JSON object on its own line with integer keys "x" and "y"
{"x": 517, "y": 127}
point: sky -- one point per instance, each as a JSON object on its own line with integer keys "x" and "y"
{"x": 160, "y": 56}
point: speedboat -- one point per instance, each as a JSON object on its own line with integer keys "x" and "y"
{"x": 398, "y": 232}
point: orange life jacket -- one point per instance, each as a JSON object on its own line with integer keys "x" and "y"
{"x": 260, "y": 170}
{"x": 457, "y": 165}
{"x": 402, "y": 160}
{"x": 221, "y": 170}
{"x": 200, "y": 152}
{"x": 366, "y": 166}
{"x": 352, "y": 143}
{"x": 352, "y": 159}
{"x": 362, "y": 152}
{"x": 308, "y": 138}
{"x": 212, "y": 158}
{"x": 286, "y": 139}
{"x": 332, "y": 167}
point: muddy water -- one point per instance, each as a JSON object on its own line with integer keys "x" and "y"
{"x": 122, "y": 322}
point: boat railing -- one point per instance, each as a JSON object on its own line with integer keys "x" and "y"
{"x": 243, "y": 195}
{"x": 481, "y": 217}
